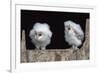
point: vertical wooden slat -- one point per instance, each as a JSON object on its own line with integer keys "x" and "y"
{"x": 23, "y": 48}
{"x": 83, "y": 53}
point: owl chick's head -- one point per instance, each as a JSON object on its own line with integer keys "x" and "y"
{"x": 40, "y": 32}
{"x": 75, "y": 29}
{"x": 68, "y": 26}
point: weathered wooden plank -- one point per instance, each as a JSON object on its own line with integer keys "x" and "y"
{"x": 23, "y": 48}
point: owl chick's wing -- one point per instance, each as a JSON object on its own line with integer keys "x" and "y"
{"x": 49, "y": 33}
{"x": 79, "y": 33}
{"x": 32, "y": 34}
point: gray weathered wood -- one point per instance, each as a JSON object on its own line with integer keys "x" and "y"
{"x": 23, "y": 48}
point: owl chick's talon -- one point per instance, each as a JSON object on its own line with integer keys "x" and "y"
{"x": 75, "y": 47}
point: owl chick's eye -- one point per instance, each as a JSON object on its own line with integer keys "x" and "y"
{"x": 69, "y": 28}
{"x": 39, "y": 34}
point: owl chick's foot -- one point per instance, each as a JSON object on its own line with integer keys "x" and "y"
{"x": 37, "y": 48}
{"x": 74, "y": 47}
{"x": 43, "y": 48}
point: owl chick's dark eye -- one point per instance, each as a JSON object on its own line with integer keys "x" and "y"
{"x": 69, "y": 28}
{"x": 40, "y": 34}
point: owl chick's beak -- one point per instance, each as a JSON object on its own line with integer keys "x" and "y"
{"x": 39, "y": 37}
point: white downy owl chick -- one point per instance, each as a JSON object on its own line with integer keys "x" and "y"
{"x": 73, "y": 34}
{"x": 40, "y": 35}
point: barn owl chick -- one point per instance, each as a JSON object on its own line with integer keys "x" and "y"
{"x": 73, "y": 34}
{"x": 40, "y": 35}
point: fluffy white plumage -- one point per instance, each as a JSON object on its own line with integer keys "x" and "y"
{"x": 73, "y": 34}
{"x": 40, "y": 35}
